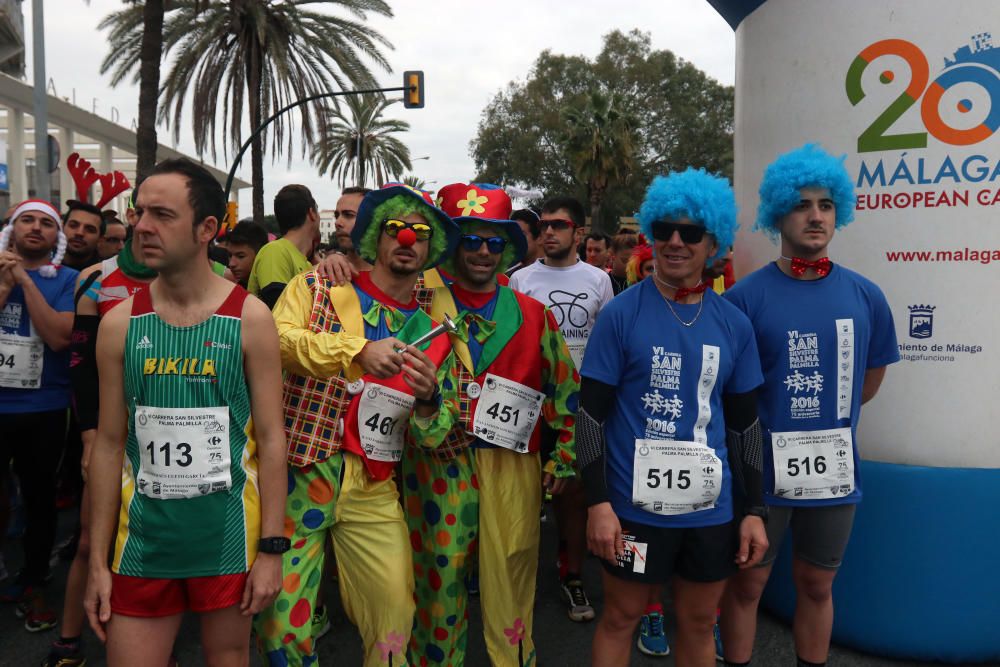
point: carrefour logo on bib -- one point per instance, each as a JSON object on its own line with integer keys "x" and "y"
{"x": 960, "y": 107}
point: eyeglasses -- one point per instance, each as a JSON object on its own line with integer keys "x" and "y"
{"x": 664, "y": 231}
{"x": 473, "y": 242}
{"x": 556, "y": 225}
{"x": 422, "y": 230}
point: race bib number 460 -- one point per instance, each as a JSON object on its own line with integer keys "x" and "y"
{"x": 183, "y": 452}
{"x": 507, "y": 413}
{"x": 675, "y": 477}
{"x": 813, "y": 465}
{"x": 382, "y": 416}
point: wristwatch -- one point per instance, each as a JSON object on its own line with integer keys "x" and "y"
{"x": 434, "y": 401}
{"x": 274, "y": 545}
{"x": 757, "y": 510}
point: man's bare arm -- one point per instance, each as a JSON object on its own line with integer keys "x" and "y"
{"x": 106, "y": 462}
{"x": 262, "y": 364}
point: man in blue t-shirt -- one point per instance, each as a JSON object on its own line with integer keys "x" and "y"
{"x": 668, "y": 390}
{"x": 36, "y": 318}
{"x": 825, "y": 336}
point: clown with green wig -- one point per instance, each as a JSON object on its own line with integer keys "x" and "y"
{"x": 363, "y": 381}
{"x": 479, "y": 493}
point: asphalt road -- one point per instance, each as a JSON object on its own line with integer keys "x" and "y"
{"x": 560, "y": 641}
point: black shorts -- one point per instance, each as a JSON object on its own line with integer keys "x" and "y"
{"x": 655, "y": 555}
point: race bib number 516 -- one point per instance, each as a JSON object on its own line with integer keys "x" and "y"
{"x": 813, "y": 465}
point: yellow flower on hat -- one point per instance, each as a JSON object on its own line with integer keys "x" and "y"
{"x": 472, "y": 203}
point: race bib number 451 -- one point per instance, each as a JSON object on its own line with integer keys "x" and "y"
{"x": 507, "y": 413}
{"x": 813, "y": 465}
{"x": 183, "y": 452}
{"x": 675, "y": 477}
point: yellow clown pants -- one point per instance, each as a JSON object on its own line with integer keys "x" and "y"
{"x": 365, "y": 523}
{"x": 485, "y": 501}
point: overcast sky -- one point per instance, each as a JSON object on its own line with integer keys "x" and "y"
{"x": 467, "y": 51}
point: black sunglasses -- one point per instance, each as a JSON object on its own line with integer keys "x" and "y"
{"x": 473, "y": 242}
{"x": 664, "y": 231}
{"x": 557, "y": 225}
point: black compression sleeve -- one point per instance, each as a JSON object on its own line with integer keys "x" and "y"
{"x": 745, "y": 441}
{"x": 269, "y": 293}
{"x": 596, "y": 399}
{"x": 83, "y": 369}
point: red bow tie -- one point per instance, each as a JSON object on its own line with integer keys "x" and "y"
{"x": 685, "y": 291}
{"x": 820, "y": 266}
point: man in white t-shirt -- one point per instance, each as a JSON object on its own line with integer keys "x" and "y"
{"x": 575, "y": 292}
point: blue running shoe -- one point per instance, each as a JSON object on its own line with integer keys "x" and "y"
{"x": 717, "y": 634}
{"x": 652, "y": 640}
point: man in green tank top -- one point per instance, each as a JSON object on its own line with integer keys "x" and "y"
{"x": 188, "y": 471}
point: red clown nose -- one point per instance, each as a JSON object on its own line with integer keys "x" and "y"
{"x": 406, "y": 237}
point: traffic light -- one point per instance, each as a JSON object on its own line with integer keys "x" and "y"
{"x": 232, "y": 214}
{"x": 413, "y": 97}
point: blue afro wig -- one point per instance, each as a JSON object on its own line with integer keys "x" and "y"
{"x": 806, "y": 167}
{"x": 705, "y": 199}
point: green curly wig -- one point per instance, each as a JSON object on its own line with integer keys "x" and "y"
{"x": 507, "y": 258}
{"x": 399, "y": 207}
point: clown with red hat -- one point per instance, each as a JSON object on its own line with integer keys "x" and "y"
{"x": 512, "y": 372}
{"x": 360, "y": 387}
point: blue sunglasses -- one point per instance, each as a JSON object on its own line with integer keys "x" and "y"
{"x": 473, "y": 242}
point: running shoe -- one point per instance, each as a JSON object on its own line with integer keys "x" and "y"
{"x": 579, "y": 604}
{"x": 65, "y": 655}
{"x": 717, "y": 634}
{"x": 39, "y": 621}
{"x": 652, "y": 639}
{"x": 320, "y": 623}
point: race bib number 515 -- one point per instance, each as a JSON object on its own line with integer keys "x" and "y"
{"x": 675, "y": 477}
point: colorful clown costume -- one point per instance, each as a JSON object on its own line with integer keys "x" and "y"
{"x": 482, "y": 493}
{"x": 345, "y": 432}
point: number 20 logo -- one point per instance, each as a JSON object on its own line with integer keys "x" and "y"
{"x": 875, "y": 138}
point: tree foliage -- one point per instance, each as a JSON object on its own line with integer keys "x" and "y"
{"x": 682, "y": 117}
{"x": 241, "y": 60}
{"x": 358, "y": 135}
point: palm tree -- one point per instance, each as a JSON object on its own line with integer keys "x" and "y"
{"x": 601, "y": 141}
{"x": 362, "y": 137}
{"x": 415, "y": 182}
{"x": 257, "y": 54}
{"x": 147, "y": 52}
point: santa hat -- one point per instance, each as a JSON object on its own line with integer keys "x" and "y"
{"x": 39, "y": 206}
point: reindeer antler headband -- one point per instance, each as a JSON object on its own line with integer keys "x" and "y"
{"x": 84, "y": 175}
